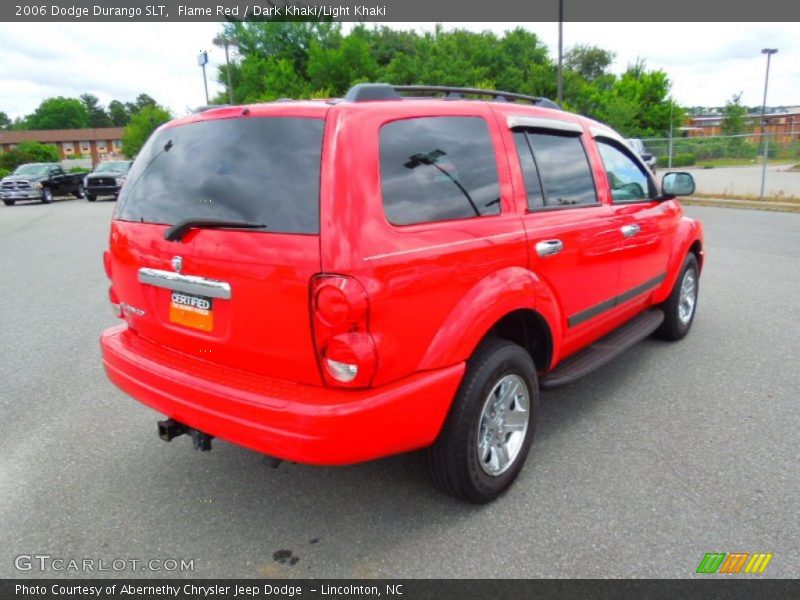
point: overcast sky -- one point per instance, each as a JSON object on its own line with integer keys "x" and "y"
{"x": 707, "y": 63}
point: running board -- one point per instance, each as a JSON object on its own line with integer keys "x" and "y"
{"x": 603, "y": 350}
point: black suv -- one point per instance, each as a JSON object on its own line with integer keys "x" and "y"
{"x": 106, "y": 179}
{"x": 40, "y": 181}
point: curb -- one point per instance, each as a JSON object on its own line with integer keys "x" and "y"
{"x": 745, "y": 204}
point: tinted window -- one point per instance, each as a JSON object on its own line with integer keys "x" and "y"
{"x": 264, "y": 170}
{"x": 438, "y": 168}
{"x": 533, "y": 186}
{"x": 564, "y": 168}
{"x": 625, "y": 177}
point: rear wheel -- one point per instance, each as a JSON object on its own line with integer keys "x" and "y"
{"x": 679, "y": 309}
{"x": 47, "y": 196}
{"x": 489, "y": 431}
{"x": 9, "y": 202}
{"x": 80, "y": 192}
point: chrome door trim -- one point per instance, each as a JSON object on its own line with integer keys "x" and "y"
{"x": 191, "y": 284}
{"x": 630, "y": 230}
{"x": 549, "y": 247}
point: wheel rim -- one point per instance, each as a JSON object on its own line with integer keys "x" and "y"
{"x": 503, "y": 425}
{"x": 48, "y": 195}
{"x": 688, "y": 297}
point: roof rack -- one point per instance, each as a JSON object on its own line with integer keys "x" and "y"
{"x": 364, "y": 92}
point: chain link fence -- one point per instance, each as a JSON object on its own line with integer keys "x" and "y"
{"x": 721, "y": 149}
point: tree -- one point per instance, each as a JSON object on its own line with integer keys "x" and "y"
{"x": 734, "y": 114}
{"x": 5, "y": 122}
{"x": 141, "y": 127}
{"x": 590, "y": 62}
{"x": 28, "y": 152}
{"x": 118, "y": 113}
{"x": 98, "y": 117}
{"x": 59, "y": 113}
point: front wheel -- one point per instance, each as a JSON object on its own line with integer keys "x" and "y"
{"x": 679, "y": 309}
{"x": 488, "y": 433}
{"x": 47, "y": 196}
{"x": 9, "y": 202}
{"x": 91, "y": 197}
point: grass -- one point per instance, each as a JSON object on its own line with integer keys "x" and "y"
{"x": 781, "y": 198}
{"x": 740, "y": 162}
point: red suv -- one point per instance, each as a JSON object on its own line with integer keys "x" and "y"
{"x": 331, "y": 282}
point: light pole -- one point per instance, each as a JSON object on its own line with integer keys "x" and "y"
{"x": 202, "y": 61}
{"x": 769, "y": 52}
{"x": 560, "y": 51}
{"x": 669, "y": 160}
{"x": 225, "y": 41}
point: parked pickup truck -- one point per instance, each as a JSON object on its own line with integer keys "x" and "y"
{"x": 412, "y": 272}
{"x": 40, "y": 181}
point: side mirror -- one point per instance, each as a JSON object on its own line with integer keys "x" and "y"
{"x": 677, "y": 184}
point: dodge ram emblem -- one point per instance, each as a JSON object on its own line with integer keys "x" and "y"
{"x": 177, "y": 263}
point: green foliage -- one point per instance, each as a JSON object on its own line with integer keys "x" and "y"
{"x": 590, "y": 62}
{"x": 685, "y": 159}
{"x": 4, "y": 172}
{"x": 28, "y": 152}
{"x": 141, "y": 126}
{"x": 734, "y": 122}
{"x": 78, "y": 170}
{"x": 118, "y": 113}
{"x": 59, "y": 113}
{"x": 305, "y": 60}
{"x": 98, "y": 117}
{"x": 5, "y": 122}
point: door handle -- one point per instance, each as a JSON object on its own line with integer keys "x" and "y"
{"x": 630, "y": 230}
{"x": 548, "y": 247}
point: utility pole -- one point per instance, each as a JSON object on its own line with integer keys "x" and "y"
{"x": 769, "y": 52}
{"x": 225, "y": 41}
{"x": 560, "y": 52}
{"x": 202, "y": 61}
{"x": 669, "y": 160}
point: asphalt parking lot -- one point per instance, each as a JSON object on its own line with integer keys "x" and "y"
{"x": 638, "y": 470}
{"x": 782, "y": 180}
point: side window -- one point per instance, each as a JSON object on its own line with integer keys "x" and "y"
{"x": 564, "y": 168}
{"x": 533, "y": 185}
{"x": 628, "y": 180}
{"x": 438, "y": 168}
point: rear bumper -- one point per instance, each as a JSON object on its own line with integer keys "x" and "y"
{"x": 296, "y": 422}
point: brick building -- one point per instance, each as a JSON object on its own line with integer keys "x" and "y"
{"x": 97, "y": 144}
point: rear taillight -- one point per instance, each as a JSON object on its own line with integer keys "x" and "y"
{"x": 340, "y": 319}
{"x": 116, "y": 309}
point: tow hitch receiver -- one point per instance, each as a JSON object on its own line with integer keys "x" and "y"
{"x": 170, "y": 429}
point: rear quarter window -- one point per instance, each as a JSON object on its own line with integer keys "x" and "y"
{"x": 437, "y": 169}
{"x": 260, "y": 169}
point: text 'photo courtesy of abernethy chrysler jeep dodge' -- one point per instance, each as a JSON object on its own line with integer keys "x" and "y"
{"x": 330, "y": 282}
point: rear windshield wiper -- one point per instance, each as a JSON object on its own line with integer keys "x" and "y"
{"x": 181, "y": 228}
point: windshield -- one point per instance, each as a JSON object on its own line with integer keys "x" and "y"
{"x": 263, "y": 170}
{"x": 118, "y": 166}
{"x": 32, "y": 170}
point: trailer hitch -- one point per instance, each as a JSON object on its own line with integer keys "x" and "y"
{"x": 170, "y": 429}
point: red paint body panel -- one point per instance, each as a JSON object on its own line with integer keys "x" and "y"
{"x": 302, "y": 423}
{"x": 434, "y": 290}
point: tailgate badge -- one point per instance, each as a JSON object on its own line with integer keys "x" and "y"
{"x": 177, "y": 263}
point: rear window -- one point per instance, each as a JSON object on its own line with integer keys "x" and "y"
{"x": 438, "y": 168}
{"x": 263, "y": 170}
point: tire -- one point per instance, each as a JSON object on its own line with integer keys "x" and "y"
{"x": 9, "y": 202}
{"x": 91, "y": 197}
{"x": 47, "y": 196}
{"x": 679, "y": 309}
{"x": 472, "y": 469}
{"x": 80, "y": 192}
